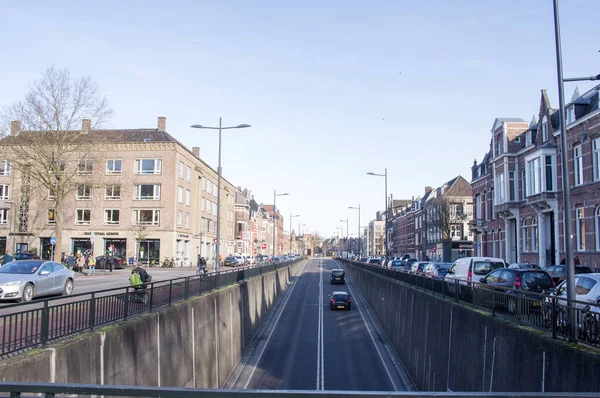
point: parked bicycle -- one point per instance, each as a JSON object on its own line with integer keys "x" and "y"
{"x": 168, "y": 263}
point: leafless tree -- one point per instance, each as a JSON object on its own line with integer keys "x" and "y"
{"x": 450, "y": 213}
{"x": 51, "y": 147}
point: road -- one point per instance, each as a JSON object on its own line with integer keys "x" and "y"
{"x": 304, "y": 345}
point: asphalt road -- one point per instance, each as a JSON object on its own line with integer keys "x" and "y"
{"x": 306, "y": 346}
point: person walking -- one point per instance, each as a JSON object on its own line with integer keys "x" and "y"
{"x": 80, "y": 263}
{"x": 92, "y": 265}
{"x": 70, "y": 261}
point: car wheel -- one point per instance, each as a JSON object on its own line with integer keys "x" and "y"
{"x": 28, "y": 292}
{"x": 68, "y": 289}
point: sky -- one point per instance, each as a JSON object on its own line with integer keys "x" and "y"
{"x": 332, "y": 89}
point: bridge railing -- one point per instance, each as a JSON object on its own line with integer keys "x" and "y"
{"x": 35, "y": 323}
{"x": 543, "y": 311}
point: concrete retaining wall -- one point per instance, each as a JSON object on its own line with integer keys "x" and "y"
{"x": 447, "y": 346}
{"x": 195, "y": 343}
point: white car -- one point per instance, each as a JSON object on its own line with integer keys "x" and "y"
{"x": 466, "y": 270}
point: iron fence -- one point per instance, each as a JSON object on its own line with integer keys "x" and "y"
{"x": 542, "y": 311}
{"x": 38, "y": 322}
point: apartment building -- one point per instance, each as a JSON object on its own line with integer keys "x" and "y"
{"x": 139, "y": 193}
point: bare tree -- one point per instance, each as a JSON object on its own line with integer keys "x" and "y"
{"x": 450, "y": 213}
{"x": 139, "y": 233}
{"x": 46, "y": 146}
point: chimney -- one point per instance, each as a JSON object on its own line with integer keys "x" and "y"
{"x": 196, "y": 151}
{"x": 427, "y": 189}
{"x": 15, "y": 127}
{"x": 86, "y": 126}
{"x": 162, "y": 124}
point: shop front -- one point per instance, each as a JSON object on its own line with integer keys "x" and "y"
{"x": 149, "y": 252}
{"x": 115, "y": 247}
{"x": 3, "y": 245}
{"x": 45, "y": 249}
{"x": 80, "y": 245}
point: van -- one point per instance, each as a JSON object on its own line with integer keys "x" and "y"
{"x": 471, "y": 269}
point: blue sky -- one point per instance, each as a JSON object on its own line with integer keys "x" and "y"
{"x": 332, "y": 89}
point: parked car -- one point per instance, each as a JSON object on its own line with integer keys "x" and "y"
{"x": 340, "y": 300}
{"x": 337, "y": 276}
{"x": 516, "y": 282}
{"x": 118, "y": 262}
{"x": 558, "y": 273}
{"x": 231, "y": 261}
{"x": 25, "y": 256}
{"x": 25, "y": 279}
{"x": 524, "y": 266}
{"x": 470, "y": 269}
{"x": 364, "y": 259}
{"x": 417, "y": 266}
{"x": 437, "y": 270}
{"x": 374, "y": 261}
{"x": 411, "y": 261}
{"x": 399, "y": 265}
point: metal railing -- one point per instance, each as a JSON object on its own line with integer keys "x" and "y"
{"x": 38, "y": 322}
{"x": 542, "y": 311}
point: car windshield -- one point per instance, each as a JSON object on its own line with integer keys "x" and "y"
{"x": 21, "y": 267}
{"x": 340, "y": 297}
{"x": 485, "y": 267}
{"x": 337, "y": 272}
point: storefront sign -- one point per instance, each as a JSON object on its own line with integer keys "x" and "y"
{"x": 92, "y": 234}
{"x": 185, "y": 236}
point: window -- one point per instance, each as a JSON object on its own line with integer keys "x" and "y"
{"x": 511, "y": 186}
{"x": 578, "y": 164}
{"x": 534, "y": 179}
{"x": 214, "y": 187}
{"x": 113, "y": 166}
{"x": 113, "y": 192}
{"x": 580, "y": 228}
{"x": 111, "y": 216}
{"x": 534, "y": 234}
{"x": 179, "y": 218}
{"x": 83, "y": 217}
{"x": 214, "y": 208}
{"x": 4, "y": 167}
{"x": 180, "y": 194}
{"x": 146, "y": 217}
{"x": 597, "y": 225}
{"x": 188, "y": 197}
{"x": 3, "y": 216}
{"x": 187, "y": 220}
{"x": 500, "y": 189}
{"x": 202, "y": 202}
{"x": 523, "y": 184}
{"x": 4, "y": 189}
{"x": 596, "y": 158}
{"x": 571, "y": 114}
{"x": 549, "y": 174}
{"x": 57, "y": 166}
{"x": 204, "y": 183}
{"x": 456, "y": 231}
{"x": 51, "y": 217}
{"x": 147, "y": 192}
{"x": 188, "y": 173}
{"x": 148, "y": 166}
{"x": 528, "y": 138}
{"x": 84, "y": 192}
{"x": 181, "y": 167}
{"x": 544, "y": 129}
{"x": 525, "y": 235}
{"x": 207, "y": 225}
{"x": 208, "y": 206}
{"x": 85, "y": 166}
{"x": 518, "y": 140}
{"x": 208, "y": 186}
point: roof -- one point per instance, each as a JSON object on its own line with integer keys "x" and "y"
{"x": 113, "y": 136}
{"x": 510, "y": 119}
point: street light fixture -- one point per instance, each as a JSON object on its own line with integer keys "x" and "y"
{"x": 565, "y": 175}
{"x": 359, "y": 241}
{"x": 297, "y": 215}
{"x": 275, "y": 195}
{"x": 386, "y": 207}
{"x": 220, "y": 128}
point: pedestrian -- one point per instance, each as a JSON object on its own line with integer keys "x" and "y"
{"x": 6, "y": 258}
{"x": 103, "y": 263}
{"x": 80, "y": 263}
{"x": 70, "y": 261}
{"x": 576, "y": 260}
{"x": 92, "y": 265}
{"x": 111, "y": 263}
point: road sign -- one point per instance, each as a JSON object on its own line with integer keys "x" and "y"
{"x": 53, "y": 241}
{"x": 478, "y": 244}
{"x": 264, "y": 246}
{"x": 214, "y": 240}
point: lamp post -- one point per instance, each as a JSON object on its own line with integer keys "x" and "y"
{"x": 386, "y": 207}
{"x": 359, "y": 241}
{"x": 275, "y": 195}
{"x": 13, "y": 219}
{"x": 297, "y": 215}
{"x": 220, "y": 128}
{"x": 565, "y": 174}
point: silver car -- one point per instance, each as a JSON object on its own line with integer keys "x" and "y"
{"x": 25, "y": 279}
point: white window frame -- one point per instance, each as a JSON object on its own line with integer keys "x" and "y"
{"x": 596, "y": 158}
{"x": 214, "y": 192}
{"x": 80, "y": 218}
{"x": 534, "y": 234}
{"x": 525, "y": 235}
{"x": 500, "y": 189}
{"x": 578, "y": 164}
{"x": 179, "y": 218}
{"x": 597, "y": 226}
{"x": 111, "y": 187}
{"x": 88, "y": 166}
{"x": 4, "y": 191}
{"x": 204, "y": 184}
{"x": 181, "y": 168}
{"x": 156, "y": 170}
{"x": 188, "y": 173}
{"x": 5, "y": 168}
{"x": 187, "y": 221}
{"x": 111, "y": 220}
{"x": 571, "y": 114}
{"x": 112, "y": 169}
{"x": 202, "y": 203}
{"x": 208, "y": 186}
{"x": 155, "y": 219}
{"x": 214, "y": 206}
{"x": 3, "y": 216}
{"x": 180, "y": 194}
{"x": 544, "y": 129}
{"x": 188, "y": 197}
{"x": 84, "y": 196}
{"x": 580, "y": 228}
{"x": 155, "y": 192}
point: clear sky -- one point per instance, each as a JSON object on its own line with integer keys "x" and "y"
{"x": 332, "y": 89}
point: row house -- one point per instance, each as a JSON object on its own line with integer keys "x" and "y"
{"x": 280, "y": 239}
{"x": 402, "y": 225}
{"x": 517, "y": 187}
{"x": 136, "y": 193}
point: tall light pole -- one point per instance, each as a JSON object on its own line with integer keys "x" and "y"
{"x": 13, "y": 218}
{"x": 275, "y": 195}
{"x": 386, "y": 207}
{"x": 220, "y": 128}
{"x": 297, "y": 215}
{"x": 359, "y": 241}
{"x": 565, "y": 173}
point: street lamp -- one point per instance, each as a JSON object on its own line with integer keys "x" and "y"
{"x": 386, "y": 207}
{"x": 13, "y": 218}
{"x": 275, "y": 195}
{"x": 565, "y": 174}
{"x": 297, "y": 215}
{"x": 359, "y": 241}
{"x": 220, "y": 128}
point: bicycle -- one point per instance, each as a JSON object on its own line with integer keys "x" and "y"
{"x": 168, "y": 263}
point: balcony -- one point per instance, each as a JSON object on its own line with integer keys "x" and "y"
{"x": 543, "y": 200}
{"x": 505, "y": 209}
{"x": 476, "y": 226}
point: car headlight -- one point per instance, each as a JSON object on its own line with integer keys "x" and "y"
{"x": 13, "y": 283}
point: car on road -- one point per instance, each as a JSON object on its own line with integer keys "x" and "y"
{"x": 524, "y": 266}
{"x": 399, "y": 265}
{"x": 374, "y": 261}
{"x": 436, "y": 270}
{"x": 337, "y": 276}
{"x": 558, "y": 273}
{"x": 231, "y": 261}
{"x": 25, "y": 279}
{"x": 340, "y": 301}
{"x": 25, "y": 256}
{"x": 417, "y": 267}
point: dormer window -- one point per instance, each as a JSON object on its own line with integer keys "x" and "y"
{"x": 528, "y": 139}
{"x": 518, "y": 140}
{"x": 571, "y": 114}
{"x": 544, "y": 129}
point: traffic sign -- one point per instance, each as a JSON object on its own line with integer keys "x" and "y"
{"x": 53, "y": 241}
{"x": 264, "y": 246}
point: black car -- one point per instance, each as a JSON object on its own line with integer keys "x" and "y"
{"x": 340, "y": 300}
{"x": 558, "y": 273}
{"x": 338, "y": 276}
{"x": 25, "y": 256}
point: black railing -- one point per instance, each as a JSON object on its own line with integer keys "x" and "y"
{"x": 542, "y": 311}
{"x": 35, "y": 323}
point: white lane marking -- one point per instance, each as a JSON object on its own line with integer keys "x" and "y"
{"x": 262, "y": 351}
{"x": 387, "y": 371}
{"x": 322, "y": 330}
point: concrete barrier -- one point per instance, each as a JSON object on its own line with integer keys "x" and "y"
{"x": 194, "y": 343}
{"x": 448, "y": 346}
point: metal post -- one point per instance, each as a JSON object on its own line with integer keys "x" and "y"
{"x": 359, "y": 237}
{"x": 565, "y": 180}
{"x": 218, "y": 203}
{"x": 386, "y": 215}
{"x": 274, "y": 226}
